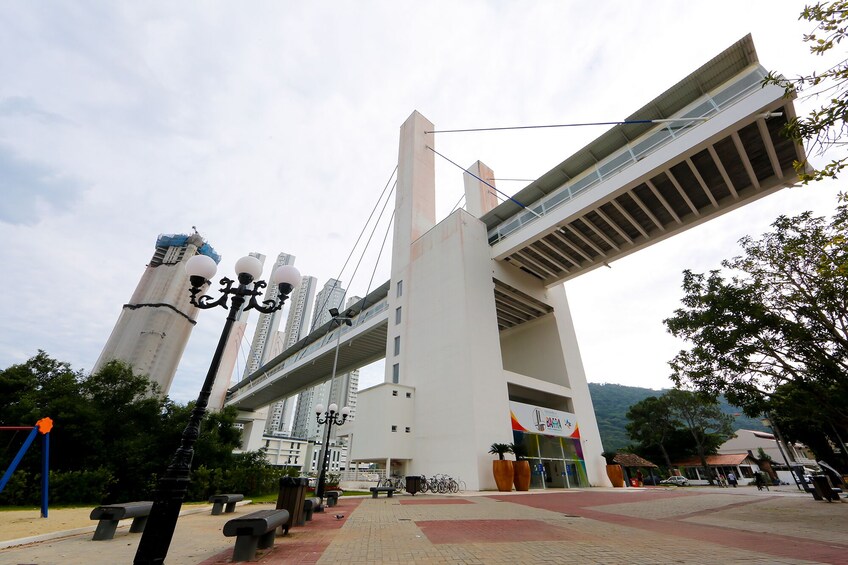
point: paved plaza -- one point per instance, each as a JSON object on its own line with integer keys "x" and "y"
{"x": 633, "y": 526}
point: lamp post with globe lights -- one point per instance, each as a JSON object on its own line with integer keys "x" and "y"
{"x": 171, "y": 487}
{"x": 329, "y": 418}
{"x": 332, "y": 417}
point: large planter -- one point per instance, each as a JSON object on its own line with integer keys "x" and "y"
{"x": 521, "y": 475}
{"x": 504, "y": 475}
{"x": 616, "y": 475}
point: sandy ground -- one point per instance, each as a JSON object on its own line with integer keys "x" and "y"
{"x": 16, "y": 524}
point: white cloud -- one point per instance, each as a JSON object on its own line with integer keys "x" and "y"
{"x": 273, "y": 127}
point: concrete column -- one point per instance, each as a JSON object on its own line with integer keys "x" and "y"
{"x": 415, "y": 215}
{"x": 254, "y": 427}
{"x": 479, "y": 196}
{"x": 225, "y": 372}
{"x": 589, "y": 435}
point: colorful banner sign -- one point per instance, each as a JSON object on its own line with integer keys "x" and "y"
{"x": 536, "y": 420}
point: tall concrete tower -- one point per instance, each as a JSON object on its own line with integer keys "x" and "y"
{"x": 154, "y": 326}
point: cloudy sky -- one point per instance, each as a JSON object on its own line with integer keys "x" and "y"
{"x": 272, "y": 126}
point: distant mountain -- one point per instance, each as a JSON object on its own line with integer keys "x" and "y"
{"x": 612, "y": 401}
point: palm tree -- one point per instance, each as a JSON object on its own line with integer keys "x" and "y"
{"x": 500, "y": 449}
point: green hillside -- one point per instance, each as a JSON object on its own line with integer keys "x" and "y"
{"x": 612, "y": 401}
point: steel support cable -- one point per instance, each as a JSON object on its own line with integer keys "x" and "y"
{"x": 455, "y": 206}
{"x": 322, "y": 306}
{"x": 574, "y": 125}
{"x": 377, "y": 262}
{"x": 490, "y": 185}
{"x": 367, "y": 243}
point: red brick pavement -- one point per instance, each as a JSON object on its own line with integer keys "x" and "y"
{"x": 583, "y": 504}
{"x": 303, "y": 544}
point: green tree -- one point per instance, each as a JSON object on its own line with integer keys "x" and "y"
{"x": 780, "y": 320}
{"x": 824, "y": 127}
{"x": 702, "y": 417}
{"x": 113, "y": 422}
{"x": 651, "y": 423}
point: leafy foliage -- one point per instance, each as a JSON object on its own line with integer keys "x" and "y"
{"x": 115, "y": 433}
{"x": 824, "y": 127}
{"x": 778, "y": 329}
{"x": 678, "y": 424}
{"x": 499, "y": 449}
{"x": 611, "y": 403}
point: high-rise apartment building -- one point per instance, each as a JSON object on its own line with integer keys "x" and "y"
{"x": 268, "y": 324}
{"x": 281, "y": 413}
{"x": 154, "y": 326}
{"x": 331, "y": 296}
{"x": 344, "y": 387}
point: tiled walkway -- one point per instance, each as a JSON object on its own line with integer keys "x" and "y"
{"x": 591, "y": 526}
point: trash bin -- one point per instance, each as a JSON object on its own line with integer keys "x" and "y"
{"x": 291, "y": 497}
{"x": 413, "y": 484}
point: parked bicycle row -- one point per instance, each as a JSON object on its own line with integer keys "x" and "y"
{"x": 442, "y": 484}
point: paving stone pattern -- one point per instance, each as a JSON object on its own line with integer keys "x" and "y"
{"x": 609, "y": 526}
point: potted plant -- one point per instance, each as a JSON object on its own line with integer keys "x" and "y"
{"x": 614, "y": 470}
{"x": 521, "y": 467}
{"x": 502, "y": 468}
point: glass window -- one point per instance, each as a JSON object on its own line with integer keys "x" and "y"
{"x": 652, "y": 141}
{"x": 584, "y": 183}
{"x": 399, "y": 289}
{"x": 397, "y": 315}
{"x": 397, "y": 345}
{"x": 549, "y": 447}
{"x": 395, "y": 373}
{"x": 615, "y": 163}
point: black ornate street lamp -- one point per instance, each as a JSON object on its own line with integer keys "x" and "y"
{"x": 171, "y": 488}
{"x": 331, "y": 418}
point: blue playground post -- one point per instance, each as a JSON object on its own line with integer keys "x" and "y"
{"x": 44, "y": 426}
{"x": 8, "y": 474}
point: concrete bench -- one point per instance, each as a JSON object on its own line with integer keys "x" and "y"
{"x": 823, "y": 489}
{"x": 254, "y": 531}
{"x": 376, "y": 490}
{"x": 311, "y": 505}
{"x": 219, "y": 500}
{"x": 332, "y": 498}
{"x": 110, "y": 515}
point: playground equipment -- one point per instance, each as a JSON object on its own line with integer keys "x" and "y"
{"x": 44, "y": 426}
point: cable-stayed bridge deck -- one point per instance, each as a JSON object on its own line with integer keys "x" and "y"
{"x": 715, "y": 145}
{"x": 310, "y": 361}
{"x": 640, "y": 183}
